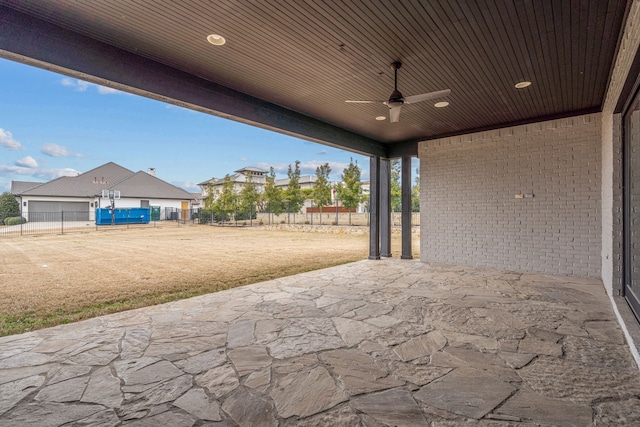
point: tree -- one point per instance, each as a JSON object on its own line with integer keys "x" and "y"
{"x": 293, "y": 194}
{"x": 9, "y": 206}
{"x": 350, "y": 189}
{"x": 227, "y": 201}
{"x": 395, "y": 186}
{"x": 415, "y": 193}
{"x": 272, "y": 194}
{"x": 322, "y": 189}
{"x": 249, "y": 196}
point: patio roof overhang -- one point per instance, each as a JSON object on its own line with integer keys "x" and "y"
{"x": 290, "y": 66}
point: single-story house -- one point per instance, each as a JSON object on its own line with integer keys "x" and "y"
{"x": 77, "y": 197}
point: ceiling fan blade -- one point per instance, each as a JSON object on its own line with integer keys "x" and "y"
{"x": 426, "y": 96}
{"x": 394, "y": 114}
{"x": 366, "y": 102}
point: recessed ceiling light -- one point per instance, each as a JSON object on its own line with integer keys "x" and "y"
{"x": 381, "y": 118}
{"x": 522, "y": 85}
{"x": 441, "y": 104}
{"x": 216, "y": 39}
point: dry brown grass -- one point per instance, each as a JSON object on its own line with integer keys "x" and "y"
{"x": 52, "y": 279}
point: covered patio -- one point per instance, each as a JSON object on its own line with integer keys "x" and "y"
{"x": 529, "y": 165}
{"x": 373, "y": 343}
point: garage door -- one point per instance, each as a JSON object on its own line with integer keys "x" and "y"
{"x": 53, "y": 211}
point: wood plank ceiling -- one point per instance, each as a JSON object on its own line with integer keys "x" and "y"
{"x": 310, "y": 56}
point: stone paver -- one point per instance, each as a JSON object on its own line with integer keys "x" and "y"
{"x": 373, "y": 343}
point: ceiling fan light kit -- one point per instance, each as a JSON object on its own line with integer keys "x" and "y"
{"x": 396, "y": 100}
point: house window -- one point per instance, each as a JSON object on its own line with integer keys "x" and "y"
{"x": 632, "y": 204}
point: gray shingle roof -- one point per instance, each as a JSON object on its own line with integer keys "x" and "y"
{"x": 87, "y": 184}
{"x": 212, "y": 180}
{"x": 19, "y": 187}
{"x": 141, "y": 184}
{"x": 304, "y": 179}
{"x": 109, "y": 176}
{"x": 252, "y": 169}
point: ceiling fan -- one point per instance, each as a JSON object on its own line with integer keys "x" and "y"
{"x": 396, "y": 100}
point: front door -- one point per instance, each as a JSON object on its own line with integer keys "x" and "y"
{"x": 632, "y": 205}
{"x": 185, "y": 210}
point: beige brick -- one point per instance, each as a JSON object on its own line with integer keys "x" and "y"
{"x": 469, "y": 212}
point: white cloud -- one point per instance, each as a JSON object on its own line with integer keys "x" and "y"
{"x": 27, "y": 162}
{"x": 6, "y": 140}
{"x": 42, "y": 174}
{"x": 309, "y": 167}
{"x": 18, "y": 170}
{"x": 191, "y": 187}
{"x": 77, "y": 85}
{"x": 277, "y": 167}
{"x": 103, "y": 90}
{"x": 55, "y": 150}
{"x": 82, "y": 86}
{"x": 48, "y": 174}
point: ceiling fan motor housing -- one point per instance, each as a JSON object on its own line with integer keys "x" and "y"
{"x": 396, "y": 97}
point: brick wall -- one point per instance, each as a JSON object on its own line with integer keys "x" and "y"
{"x": 469, "y": 213}
{"x": 612, "y": 169}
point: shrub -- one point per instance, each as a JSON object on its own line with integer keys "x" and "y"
{"x": 9, "y": 206}
{"x": 245, "y": 215}
{"x": 15, "y": 220}
{"x": 212, "y": 215}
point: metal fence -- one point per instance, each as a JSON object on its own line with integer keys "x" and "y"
{"x": 60, "y": 223}
{"x": 281, "y": 213}
{"x": 78, "y": 221}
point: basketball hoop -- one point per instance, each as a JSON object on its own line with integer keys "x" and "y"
{"x": 111, "y": 194}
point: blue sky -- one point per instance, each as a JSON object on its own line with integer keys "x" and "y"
{"x": 52, "y": 125}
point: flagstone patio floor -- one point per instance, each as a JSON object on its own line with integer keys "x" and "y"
{"x": 373, "y": 343}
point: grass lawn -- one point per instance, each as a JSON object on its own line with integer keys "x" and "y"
{"x": 49, "y": 280}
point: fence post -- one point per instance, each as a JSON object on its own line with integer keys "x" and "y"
{"x": 336, "y": 208}
{"x": 311, "y": 212}
{"x": 288, "y": 212}
{"x": 62, "y": 222}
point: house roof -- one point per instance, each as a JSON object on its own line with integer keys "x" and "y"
{"x": 209, "y": 181}
{"x": 109, "y": 176}
{"x": 18, "y": 187}
{"x": 143, "y": 185}
{"x": 290, "y": 65}
{"x": 304, "y": 179}
{"x": 238, "y": 177}
{"x": 88, "y": 184}
{"x": 252, "y": 169}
